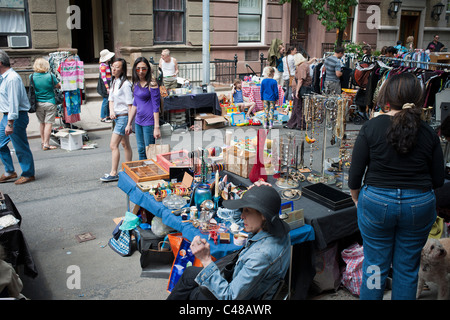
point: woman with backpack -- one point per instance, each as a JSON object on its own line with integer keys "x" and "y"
{"x": 145, "y": 106}
{"x": 104, "y": 82}
{"x": 45, "y": 84}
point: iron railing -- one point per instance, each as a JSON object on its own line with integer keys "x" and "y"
{"x": 221, "y": 71}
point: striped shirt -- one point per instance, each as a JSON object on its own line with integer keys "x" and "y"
{"x": 332, "y": 64}
{"x": 105, "y": 73}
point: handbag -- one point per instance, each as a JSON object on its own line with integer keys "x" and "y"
{"x": 291, "y": 78}
{"x": 156, "y": 258}
{"x": 304, "y": 90}
{"x": 59, "y": 96}
{"x": 32, "y": 96}
{"x": 122, "y": 245}
{"x": 226, "y": 264}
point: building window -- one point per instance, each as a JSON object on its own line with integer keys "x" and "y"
{"x": 169, "y": 21}
{"x": 250, "y": 18}
{"x": 14, "y": 23}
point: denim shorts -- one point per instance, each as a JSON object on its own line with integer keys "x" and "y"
{"x": 120, "y": 123}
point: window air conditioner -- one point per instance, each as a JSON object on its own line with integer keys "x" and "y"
{"x": 18, "y": 42}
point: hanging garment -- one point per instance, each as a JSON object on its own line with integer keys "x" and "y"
{"x": 72, "y": 75}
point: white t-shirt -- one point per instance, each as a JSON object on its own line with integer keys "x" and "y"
{"x": 291, "y": 61}
{"x": 122, "y": 97}
{"x": 168, "y": 69}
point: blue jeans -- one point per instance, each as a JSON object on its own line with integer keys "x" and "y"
{"x": 144, "y": 137}
{"x": 104, "y": 113}
{"x": 120, "y": 124}
{"x": 19, "y": 140}
{"x": 394, "y": 225}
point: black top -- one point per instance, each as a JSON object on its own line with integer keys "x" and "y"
{"x": 437, "y": 46}
{"x": 422, "y": 168}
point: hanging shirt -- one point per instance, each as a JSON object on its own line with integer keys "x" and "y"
{"x": 72, "y": 75}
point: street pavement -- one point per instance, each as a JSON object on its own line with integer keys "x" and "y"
{"x": 67, "y": 199}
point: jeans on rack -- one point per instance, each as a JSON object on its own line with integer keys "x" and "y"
{"x": 394, "y": 225}
{"x": 144, "y": 137}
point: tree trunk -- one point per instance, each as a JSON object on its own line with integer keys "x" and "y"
{"x": 340, "y": 37}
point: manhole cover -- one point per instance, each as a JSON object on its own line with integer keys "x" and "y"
{"x": 85, "y": 237}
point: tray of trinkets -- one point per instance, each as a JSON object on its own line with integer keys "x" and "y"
{"x": 145, "y": 170}
{"x": 327, "y": 196}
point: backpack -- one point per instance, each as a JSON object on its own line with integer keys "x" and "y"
{"x": 361, "y": 74}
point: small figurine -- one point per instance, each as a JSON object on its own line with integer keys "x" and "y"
{"x": 214, "y": 236}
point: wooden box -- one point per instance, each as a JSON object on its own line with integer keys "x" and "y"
{"x": 145, "y": 170}
{"x": 174, "y": 158}
{"x": 238, "y": 161}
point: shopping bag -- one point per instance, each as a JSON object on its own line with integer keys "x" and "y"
{"x": 158, "y": 257}
{"x": 184, "y": 259}
{"x": 352, "y": 275}
{"x": 175, "y": 240}
{"x": 130, "y": 221}
{"x": 122, "y": 245}
{"x": 154, "y": 149}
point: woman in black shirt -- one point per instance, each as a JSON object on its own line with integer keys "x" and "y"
{"x": 401, "y": 161}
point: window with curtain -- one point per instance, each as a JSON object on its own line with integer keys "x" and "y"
{"x": 13, "y": 19}
{"x": 169, "y": 21}
{"x": 249, "y": 20}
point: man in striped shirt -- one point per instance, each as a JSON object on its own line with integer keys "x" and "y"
{"x": 333, "y": 69}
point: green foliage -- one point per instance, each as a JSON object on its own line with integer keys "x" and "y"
{"x": 333, "y": 14}
{"x": 354, "y": 48}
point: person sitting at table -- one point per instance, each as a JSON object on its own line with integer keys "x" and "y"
{"x": 239, "y": 100}
{"x": 261, "y": 264}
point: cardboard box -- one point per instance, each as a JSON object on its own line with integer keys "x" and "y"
{"x": 238, "y": 161}
{"x": 70, "y": 139}
{"x": 210, "y": 121}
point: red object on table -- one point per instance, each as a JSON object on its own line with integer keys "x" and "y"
{"x": 259, "y": 170}
{"x": 254, "y": 93}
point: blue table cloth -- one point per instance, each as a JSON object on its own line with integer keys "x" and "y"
{"x": 147, "y": 201}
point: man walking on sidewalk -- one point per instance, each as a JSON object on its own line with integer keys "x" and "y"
{"x": 14, "y": 105}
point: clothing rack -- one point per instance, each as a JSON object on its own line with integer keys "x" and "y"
{"x": 444, "y": 65}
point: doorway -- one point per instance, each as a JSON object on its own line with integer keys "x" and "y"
{"x": 409, "y": 26}
{"x": 96, "y": 31}
{"x": 299, "y": 27}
